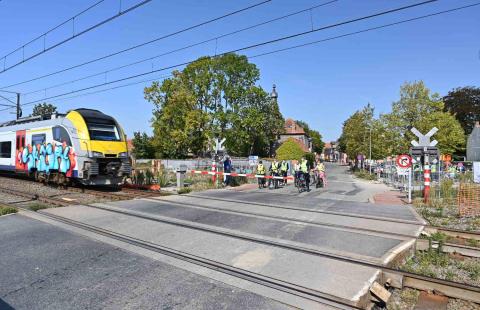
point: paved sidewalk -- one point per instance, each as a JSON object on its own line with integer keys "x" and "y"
{"x": 390, "y": 198}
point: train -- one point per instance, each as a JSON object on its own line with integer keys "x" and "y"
{"x": 83, "y": 146}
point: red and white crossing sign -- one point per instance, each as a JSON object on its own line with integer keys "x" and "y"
{"x": 404, "y": 161}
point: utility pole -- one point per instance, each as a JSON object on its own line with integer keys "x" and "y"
{"x": 370, "y": 151}
{"x": 19, "y": 109}
{"x": 13, "y": 104}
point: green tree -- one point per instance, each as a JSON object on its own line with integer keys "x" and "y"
{"x": 317, "y": 142}
{"x": 421, "y": 109}
{"x": 290, "y": 150}
{"x": 464, "y": 104}
{"x": 213, "y": 97}
{"x": 143, "y": 146}
{"x": 44, "y": 109}
{"x": 361, "y": 133}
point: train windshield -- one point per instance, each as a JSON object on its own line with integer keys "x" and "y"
{"x": 103, "y": 132}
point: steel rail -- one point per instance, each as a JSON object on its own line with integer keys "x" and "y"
{"x": 270, "y": 205}
{"x": 395, "y": 278}
{"x": 270, "y": 282}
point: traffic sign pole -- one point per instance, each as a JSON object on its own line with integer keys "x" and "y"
{"x": 410, "y": 185}
{"x": 426, "y": 179}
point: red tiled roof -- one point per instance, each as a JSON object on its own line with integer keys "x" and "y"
{"x": 291, "y": 127}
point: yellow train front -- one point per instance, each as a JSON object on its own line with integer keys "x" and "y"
{"x": 84, "y": 146}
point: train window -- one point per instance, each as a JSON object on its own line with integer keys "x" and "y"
{"x": 18, "y": 142}
{"x": 38, "y": 139}
{"x": 5, "y": 149}
{"x": 103, "y": 132}
{"x": 60, "y": 134}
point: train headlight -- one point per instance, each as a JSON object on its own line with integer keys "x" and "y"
{"x": 97, "y": 154}
{"x": 123, "y": 154}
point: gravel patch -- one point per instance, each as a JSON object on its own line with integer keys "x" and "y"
{"x": 458, "y": 304}
{"x": 447, "y": 216}
{"x": 43, "y": 190}
{"x": 445, "y": 266}
{"x": 405, "y": 299}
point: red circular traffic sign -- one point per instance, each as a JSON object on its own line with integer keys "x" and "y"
{"x": 404, "y": 161}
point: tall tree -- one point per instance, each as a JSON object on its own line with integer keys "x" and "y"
{"x": 213, "y": 97}
{"x": 363, "y": 133}
{"x": 419, "y": 108}
{"x": 44, "y": 109}
{"x": 464, "y": 103}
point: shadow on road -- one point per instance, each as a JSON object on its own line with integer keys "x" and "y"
{"x": 5, "y": 306}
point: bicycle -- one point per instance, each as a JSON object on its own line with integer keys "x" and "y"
{"x": 320, "y": 180}
{"x": 301, "y": 183}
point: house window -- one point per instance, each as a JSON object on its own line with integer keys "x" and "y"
{"x": 6, "y": 149}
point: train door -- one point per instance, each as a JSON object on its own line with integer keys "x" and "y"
{"x": 20, "y": 145}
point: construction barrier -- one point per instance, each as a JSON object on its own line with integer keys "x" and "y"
{"x": 469, "y": 199}
{"x": 233, "y": 174}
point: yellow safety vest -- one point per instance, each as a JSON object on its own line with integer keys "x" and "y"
{"x": 284, "y": 166}
{"x": 260, "y": 169}
{"x": 304, "y": 167}
{"x": 275, "y": 167}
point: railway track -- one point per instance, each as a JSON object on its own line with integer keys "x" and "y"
{"x": 128, "y": 193}
{"x": 276, "y": 284}
{"x": 390, "y": 276}
{"x": 122, "y": 194}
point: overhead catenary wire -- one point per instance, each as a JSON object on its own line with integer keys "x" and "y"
{"x": 300, "y": 45}
{"x": 238, "y": 50}
{"x": 182, "y": 48}
{"x": 142, "y": 44}
{"x": 73, "y": 36}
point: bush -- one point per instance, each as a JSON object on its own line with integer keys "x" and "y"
{"x": 163, "y": 178}
{"x": 290, "y": 150}
{"x": 184, "y": 190}
{"x": 37, "y": 206}
{"x": 7, "y": 210}
{"x": 362, "y": 174}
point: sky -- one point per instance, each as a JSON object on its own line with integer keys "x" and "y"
{"x": 322, "y": 84}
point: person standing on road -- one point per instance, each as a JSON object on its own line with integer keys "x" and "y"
{"x": 306, "y": 172}
{"x": 261, "y": 171}
{"x": 227, "y": 168}
{"x": 296, "y": 168}
{"x": 284, "y": 171}
{"x": 274, "y": 169}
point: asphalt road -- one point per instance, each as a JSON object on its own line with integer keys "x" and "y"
{"x": 46, "y": 267}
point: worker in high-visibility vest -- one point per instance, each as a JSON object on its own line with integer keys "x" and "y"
{"x": 306, "y": 172}
{"x": 274, "y": 172}
{"x": 261, "y": 171}
{"x": 284, "y": 171}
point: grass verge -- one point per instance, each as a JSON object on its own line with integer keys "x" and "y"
{"x": 7, "y": 210}
{"x": 38, "y": 206}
